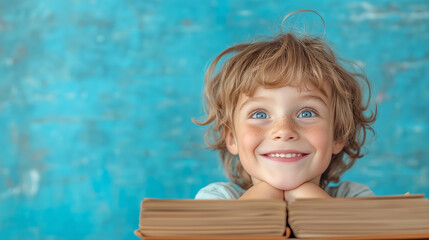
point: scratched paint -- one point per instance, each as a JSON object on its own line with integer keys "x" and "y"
{"x": 96, "y": 99}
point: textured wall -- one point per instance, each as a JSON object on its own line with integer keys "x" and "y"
{"x": 96, "y": 99}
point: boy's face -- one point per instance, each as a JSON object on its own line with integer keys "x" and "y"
{"x": 284, "y": 136}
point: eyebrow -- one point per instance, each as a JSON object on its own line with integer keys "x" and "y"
{"x": 305, "y": 96}
{"x": 253, "y": 99}
{"x": 316, "y": 97}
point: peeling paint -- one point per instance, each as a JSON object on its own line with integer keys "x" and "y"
{"x": 29, "y": 185}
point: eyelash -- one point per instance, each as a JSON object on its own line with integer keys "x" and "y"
{"x": 309, "y": 110}
{"x": 258, "y": 111}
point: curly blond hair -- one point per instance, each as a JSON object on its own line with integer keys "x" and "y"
{"x": 286, "y": 60}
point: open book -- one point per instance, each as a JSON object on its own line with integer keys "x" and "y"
{"x": 388, "y": 217}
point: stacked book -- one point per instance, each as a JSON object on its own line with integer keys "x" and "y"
{"x": 161, "y": 217}
{"x": 392, "y": 215}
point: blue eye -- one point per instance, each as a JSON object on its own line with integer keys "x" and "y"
{"x": 260, "y": 115}
{"x": 306, "y": 114}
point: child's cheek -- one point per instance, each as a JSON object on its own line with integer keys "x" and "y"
{"x": 252, "y": 135}
{"x": 320, "y": 136}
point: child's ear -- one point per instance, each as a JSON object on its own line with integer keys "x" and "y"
{"x": 231, "y": 142}
{"x": 338, "y": 146}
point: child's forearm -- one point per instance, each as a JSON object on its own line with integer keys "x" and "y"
{"x": 262, "y": 190}
{"x": 306, "y": 190}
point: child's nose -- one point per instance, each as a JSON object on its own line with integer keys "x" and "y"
{"x": 284, "y": 129}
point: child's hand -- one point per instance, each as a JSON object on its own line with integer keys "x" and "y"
{"x": 306, "y": 190}
{"x": 262, "y": 190}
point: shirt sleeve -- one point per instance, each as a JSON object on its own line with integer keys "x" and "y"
{"x": 219, "y": 191}
{"x": 350, "y": 189}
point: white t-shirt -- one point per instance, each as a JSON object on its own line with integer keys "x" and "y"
{"x": 226, "y": 190}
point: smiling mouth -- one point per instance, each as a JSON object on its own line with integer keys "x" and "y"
{"x": 285, "y": 157}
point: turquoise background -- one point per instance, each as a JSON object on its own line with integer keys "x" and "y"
{"x": 96, "y": 101}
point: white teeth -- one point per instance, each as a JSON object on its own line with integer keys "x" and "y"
{"x": 287, "y": 155}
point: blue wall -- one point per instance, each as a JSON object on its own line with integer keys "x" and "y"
{"x": 96, "y": 99}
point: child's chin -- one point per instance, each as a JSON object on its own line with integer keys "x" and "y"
{"x": 285, "y": 187}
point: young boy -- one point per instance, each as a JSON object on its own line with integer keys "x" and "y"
{"x": 287, "y": 119}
